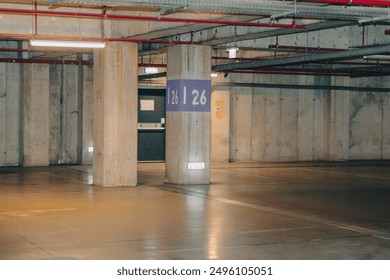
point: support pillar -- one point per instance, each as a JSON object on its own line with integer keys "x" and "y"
{"x": 36, "y": 115}
{"x": 115, "y": 115}
{"x": 188, "y": 115}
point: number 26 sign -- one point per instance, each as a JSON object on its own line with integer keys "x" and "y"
{"x": 188, "y": 95}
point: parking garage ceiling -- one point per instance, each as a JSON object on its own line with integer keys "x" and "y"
{"x": 272, "y": 36}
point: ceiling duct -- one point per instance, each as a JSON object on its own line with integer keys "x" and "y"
{"x": 249, "y": 7}
{"x": 350, "y": 54}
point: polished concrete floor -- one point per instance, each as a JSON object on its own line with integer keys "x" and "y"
{"x": 249, "y": 211}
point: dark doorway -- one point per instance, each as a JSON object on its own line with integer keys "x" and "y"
{"x": 151, "y": 124}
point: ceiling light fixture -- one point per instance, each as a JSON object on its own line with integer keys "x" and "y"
{"x": 232, "y": 52}
{"x": 151, "y": 70}
{"x": 67, "y": 44}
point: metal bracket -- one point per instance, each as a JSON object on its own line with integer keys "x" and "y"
{"x": 169, "y": 10}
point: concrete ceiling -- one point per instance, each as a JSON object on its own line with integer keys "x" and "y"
{"x": 303, "y": 32}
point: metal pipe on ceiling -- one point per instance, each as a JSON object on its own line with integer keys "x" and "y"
{"x": 146, "y": 18}
{"x": 249, "y": 7}
{"x": 315, "y": 72}
{"x": 303, "y": 48}
{"x": 377, "y": 3}
{"x": 350, "y": 54}
{"x": 45, "y": 61}
{"x": 63, "y": 61}
{"x": 96, "y": 39}
{"x": 280, "y": 32}
{"x": 302, "y": 87}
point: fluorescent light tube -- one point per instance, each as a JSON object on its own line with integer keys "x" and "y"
{"x": 151, "y": 70}
{"x": 67, "y": 44}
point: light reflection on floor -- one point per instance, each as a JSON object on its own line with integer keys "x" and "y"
{"x": 249, "y": 211}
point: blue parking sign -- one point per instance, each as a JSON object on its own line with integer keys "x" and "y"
{"x": 188, "y": 95}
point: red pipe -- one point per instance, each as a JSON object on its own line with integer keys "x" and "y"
{"x": 45, "y": 61}
{"x": 42, "y": 51}
{"x": 36, "y": 19}
{"x": 97, "y": 39}
{"x": 378, "y": 3}
{"x": 146, "y": 18}
{"x": 227, "y": 58}
{"x": 163, "y": 42}
{"x": 68, "y": 62}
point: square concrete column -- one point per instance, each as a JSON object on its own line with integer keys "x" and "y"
{"x": 115, "y": 115}
{"x": 35, "y": 115}
{"x": 188, "y": 115}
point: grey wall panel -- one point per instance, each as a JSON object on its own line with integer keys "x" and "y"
{"x": 10, "y": 95}
{"x": 220, "y": 114}
{"x": 87, "y": 127}
{"x": 272, "y": 125}
{"x": 35, "y": 114}
{"x": 306, "y": 126}
{"x": 14, "y": 95}
{"x": 3, "y": 113}
{"x": 71, "y": 115}
{"x": 289, "y": 124}
{"x": 55, "y": 111}
{"x": 365, "y": 130}
{"x": 258, "y": 125}
{"x": 386, "y": 127}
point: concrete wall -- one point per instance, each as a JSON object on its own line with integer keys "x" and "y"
{"x": 35, "y": 128}
{"x": 219, "y": 122}
{"x": 66, "y": 113}
{"x": 303, "y": 125}
{"x": 275, "y": 124}
{"x": 45, "y": 114}
{"x": 10, "y": 101}
{"x": 369, "y": 121}
{"x": 87, "y": 127}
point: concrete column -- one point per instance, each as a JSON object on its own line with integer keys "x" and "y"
{"x": 36, "y": 115}
{"x": 115, "y": 115}
{"x": 188, "y": 115}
